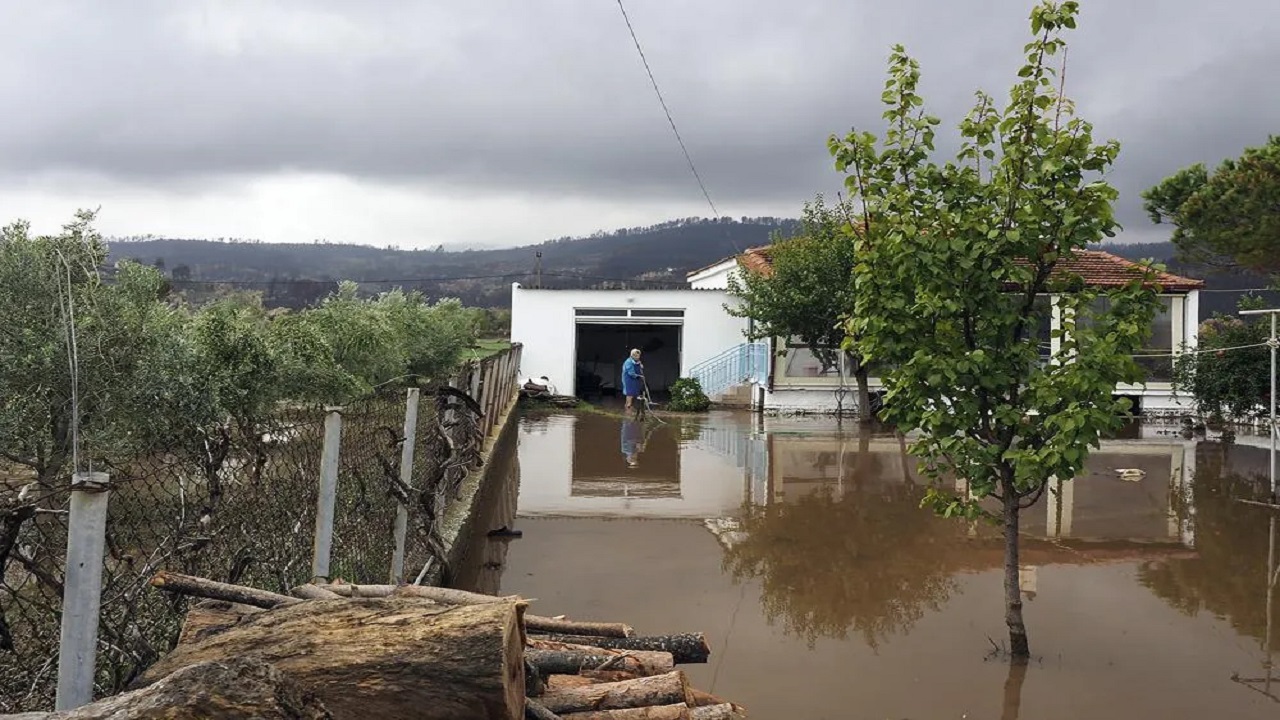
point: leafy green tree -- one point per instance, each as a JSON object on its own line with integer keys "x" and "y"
{"x": 1230, "y": 217}
{"x": 131, "y": 361}
{"x": 1230, "y": 375}
{"x": 952, "y": 259}
{"x": 808, "y": 291}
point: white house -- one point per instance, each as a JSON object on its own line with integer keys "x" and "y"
{"x": 579, "y": 339}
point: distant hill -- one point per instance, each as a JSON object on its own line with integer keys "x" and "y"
{"x": 296, "y": 274}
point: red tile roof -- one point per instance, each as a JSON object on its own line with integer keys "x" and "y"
{"x": 1102, "y": 269}
{"x": 758, "y": 260}
{"x": 1097, "y": 268}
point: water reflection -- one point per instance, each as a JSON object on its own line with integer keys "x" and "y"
{"x": 829, "y": 521}
{"x": 864, "y": 559}
{"x": 1146, "y": 583}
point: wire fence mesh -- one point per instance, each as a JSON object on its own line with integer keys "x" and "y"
{"x": 237, "y": 504}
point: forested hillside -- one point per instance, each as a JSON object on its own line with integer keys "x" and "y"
{"x": 299, "y": 274}
{"x": 294, "y": 275}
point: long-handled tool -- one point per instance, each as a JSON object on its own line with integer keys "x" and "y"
{"x": 645, "y": 411}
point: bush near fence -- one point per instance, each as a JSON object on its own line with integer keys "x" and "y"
{"x": 239, "y": 506}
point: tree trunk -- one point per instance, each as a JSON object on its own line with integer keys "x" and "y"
{"x": 200, "y": 587}
{"x": 865, "y": 416}
{"x": 569, "y": 662}
{"x": 685, "y": 648}
{"x": 235, "y": 689}
{"x": 669, "y": 689}
{"x": 392, "y": 657}
{"x": 656, "y": 712}
{"x": 1018, "y": 646}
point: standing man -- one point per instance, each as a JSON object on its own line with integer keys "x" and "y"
{"x": 632, "y": 378}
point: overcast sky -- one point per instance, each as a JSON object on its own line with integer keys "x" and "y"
{"x": 511, "y": 121}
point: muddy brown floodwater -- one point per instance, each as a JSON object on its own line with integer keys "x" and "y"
{"x": 799, "y": 547}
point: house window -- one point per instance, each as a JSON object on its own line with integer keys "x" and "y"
{"x": 800, "y": 365}
{"x": 600, "y": 312}
{"x": 658, "y": 313}
{"x": 1156, "y": 354}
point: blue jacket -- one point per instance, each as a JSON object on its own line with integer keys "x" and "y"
{"x": 632, "y": 378}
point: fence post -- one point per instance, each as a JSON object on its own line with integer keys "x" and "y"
{"x": 406, "y": 479}
{"x": 82, "y": 594}
{"x": 328, "y": 495}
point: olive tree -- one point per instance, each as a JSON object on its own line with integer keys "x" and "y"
{"x": 122, "y": 351}
{"x": 807, "y": 291}
{"x": 952, "y": 260}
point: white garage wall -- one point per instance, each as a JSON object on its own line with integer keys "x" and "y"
{"x": 545, "y": 323}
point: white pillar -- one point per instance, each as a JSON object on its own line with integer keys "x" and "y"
{"x": 406, "y": 483}
{"x": 82, "y": 593}
{"x": 328, "y": 496}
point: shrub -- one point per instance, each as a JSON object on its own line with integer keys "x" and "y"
{"x": 687, "y": 395}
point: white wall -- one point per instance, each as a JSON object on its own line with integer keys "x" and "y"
{"x": 715, "y": 277}
{"x": 545, "y": 323}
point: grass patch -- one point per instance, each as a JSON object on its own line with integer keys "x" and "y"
{"x": 488, "y": 347}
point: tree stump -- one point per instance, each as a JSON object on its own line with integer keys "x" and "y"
{"x": 390, "y": 657}
{"x": 237, "y": 689}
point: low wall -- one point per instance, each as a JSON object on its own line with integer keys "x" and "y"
{"x": 460, "y": 516}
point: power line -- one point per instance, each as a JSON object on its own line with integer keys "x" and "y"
{"x": 688, "y": 158}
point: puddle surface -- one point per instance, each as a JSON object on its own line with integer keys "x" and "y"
{"x": 799, "y": 548}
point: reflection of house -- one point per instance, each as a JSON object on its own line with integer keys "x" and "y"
{"x": 1102, "y": 504}
{"x": 797, "y": 380}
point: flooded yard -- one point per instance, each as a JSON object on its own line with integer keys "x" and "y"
{"x": 798, "y": 547}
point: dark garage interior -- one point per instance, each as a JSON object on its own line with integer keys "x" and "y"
{"x": 601, "y": 350}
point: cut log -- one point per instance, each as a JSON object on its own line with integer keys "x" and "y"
{"x": 569, "y": 662}
{"x": 723, "y": 711}
{"x": 669, "y": 689}
{"x": 563, "y": 682}
{"x": 238, "y": 689}
{"x": 702, "y": 699}
{"x": 200, "y": 587}
{"x": 447, "y": 596}
{"x": 313, "y": 592}
{"x": 533, "y": 710}
{"x": 534, "y": 684}
{"x": 658, "y": 712}
{"x": 610, "y": 675}
{"x": 209, "y": 617}
{"x": 685, "y": 648}
{"x": 391, "y": 657}
{"x": 538, "y": 624}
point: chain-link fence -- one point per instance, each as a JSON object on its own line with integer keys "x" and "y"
{"x": 238, "y": 504}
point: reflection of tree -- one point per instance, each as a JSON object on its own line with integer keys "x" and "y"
{"x": 1227, "y": 577}
{"x": 871, "y": 562}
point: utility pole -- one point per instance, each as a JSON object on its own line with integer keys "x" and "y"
{"x": 1274, "y": 343}
{"x": 538, "y": 269}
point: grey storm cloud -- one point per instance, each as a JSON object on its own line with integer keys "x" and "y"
{"x": 550, "y": 96}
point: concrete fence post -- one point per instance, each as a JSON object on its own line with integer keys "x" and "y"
{"x": 406, "y": 480}
{"x": 328, "y": 496}
{"x": 82, "y": 594}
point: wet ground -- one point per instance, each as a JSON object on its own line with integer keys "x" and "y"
{"x": 826, "y": 592}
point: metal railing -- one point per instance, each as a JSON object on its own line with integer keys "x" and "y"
{"x": 748, "y": 362}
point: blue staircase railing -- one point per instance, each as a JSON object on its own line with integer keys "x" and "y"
{"x": 748, "y": 362}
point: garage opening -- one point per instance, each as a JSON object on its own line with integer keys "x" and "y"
{"x": 602, "y": 347}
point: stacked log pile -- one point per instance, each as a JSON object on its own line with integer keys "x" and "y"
{"x": 359, "y": 651}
